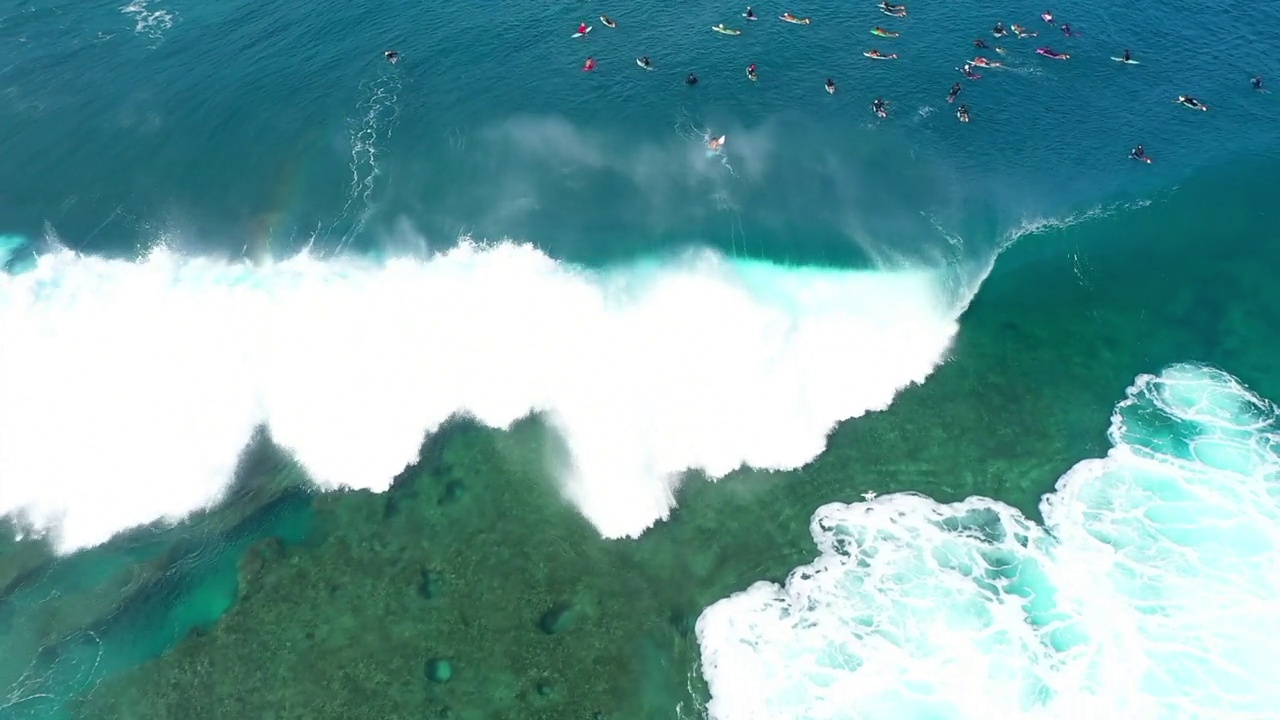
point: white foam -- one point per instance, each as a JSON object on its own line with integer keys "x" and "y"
{"x": 1153, "y": 593}
{"x": 127, "y": 390}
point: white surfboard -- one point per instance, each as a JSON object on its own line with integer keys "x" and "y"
{"x": 1126, "y": 62}
{"x": 642, "y": 65}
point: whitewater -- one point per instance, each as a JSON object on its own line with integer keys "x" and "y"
{"x": 1151, "y": 590}
{"x": 129, "y": 389}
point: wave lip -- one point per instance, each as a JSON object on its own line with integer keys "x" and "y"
{"x": 127, "y": 390}
{"x": 1151, "y": 592}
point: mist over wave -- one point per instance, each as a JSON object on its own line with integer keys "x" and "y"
{"x": 1150, "y": 592}
{"x": 129, "y": 389}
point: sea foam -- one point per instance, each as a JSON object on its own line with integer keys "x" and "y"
{"x": 129, "y": 389}
{"x": 1152, "y": 591}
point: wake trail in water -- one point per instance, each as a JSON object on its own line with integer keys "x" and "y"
{"x": 378, "y": 115}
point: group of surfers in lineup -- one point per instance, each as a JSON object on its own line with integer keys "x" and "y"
{"x": 879, "y": 106}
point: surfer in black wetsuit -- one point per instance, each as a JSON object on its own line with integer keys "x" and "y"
{"x": 999, "y": 30}
{"x": 980, "y": 43}
{"x": 877, "y": 106}
{"x": 831, "y": 86}
{"x": 1138, "y": 153}
{"x": 691, "y": 80}
{"x": 955, "y": 90}
{"x": 1257, "y": 82}
{"x": 751, "y": 72}
{"x": 392, "y": 56}
{"x": 962, "y": 114}
{"x": 1126, "y": 55}
{"x": 749, "y": 14}
{"x": 1066, "y": 29}
{"x": 644, "y": 61}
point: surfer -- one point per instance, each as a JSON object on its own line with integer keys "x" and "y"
{"x": 749, "y": 14}
{"x": 1022, "y": 32}
{"x": 877, "y": 106}
{"x": 691, "y": 80}
{"x": 883, "y": 33}
{"x": 751, "y": 72}
{"x": 1066, "y": 29}
{"x": 1256, "y": 82}
{"x": 874, "y": 53}
{"x": 831, "y": 86}
{"x": 1126, "y": 57}
{"x": 955, "y": 91}
{"x": 999, "y": 30}
{"x": 716, "y": 143}
{"x": 582, "y": 29}
{"x": 392, "y": 56}
{"x": 1191, "y": 102}
{"x": 1051, "y": 53}
{"x": 968, "y": 72}
{"x": 608, "y": 22}
{"x": 962, "y": 114}
{"x": 589, "y": 65}
{"x": 1047, "y": 16}
{"x": 644, "y": 61}
{"x": 890, "y": 8}
{"x": 980, "y": 44}
{"x": 985, "y": 63}
{"x": 1139, "y": 153}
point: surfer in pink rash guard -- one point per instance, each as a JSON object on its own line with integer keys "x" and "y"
{"x": 582, "y": 29}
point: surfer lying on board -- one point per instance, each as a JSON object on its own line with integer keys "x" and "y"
{"x": 1191, "y": 102}
{"x": 877, "y": 106}
{"x": 889, "y": 7}
{"x": 589, "y": 65}
{"x": 831, "y": 86}
{"x": 980, "y": 44}
{"x": 874, "y": 53}
{"x": 962, "y": 114}
{"x": 877, "y": 30}
{"x": 608, "y": 22}
{"x": 1022, "y": 32}
{"x": 955, "y": 90}
{"x": 1140, "y": 153}
{"x": 1257, "y": 82}
{"x": 392, "y": 56}
{"x": 1051, "y": 53}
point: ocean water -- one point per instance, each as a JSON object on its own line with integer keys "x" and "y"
{"x": 240, "y": 226}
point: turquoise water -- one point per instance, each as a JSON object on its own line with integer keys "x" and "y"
{"x": 675, "y": 309}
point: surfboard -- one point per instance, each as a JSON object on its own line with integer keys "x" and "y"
{"x": 962, "y": 118}
{"x": 725, "y": 30}
{"x": 581, "y": 34}
{"x": 1126, "y": 62}
{"x": 794, "y": 21}
{"x": 974, "y": 76}
{"x": 607, "y": 22}
{"x": 894, "y": 13}
{"x": 719, "y": 144}
{"x": 751, "y": 77}
{"x": 1144, "y": 159}
{"x": 880, "y": 57}
{"x": 642, "y": 65}
{"x": 831, "y": 90}
{"x": 749, "y": 17}
{"x": 884, "y": 33}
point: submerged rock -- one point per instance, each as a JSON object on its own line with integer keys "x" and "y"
{"x": 558, "y": 619}
{"x": 439, "y": 670}
{"x": 545, "y": 689}
{"x": 453, "y": 492}
{"x": 429, "y": 585}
